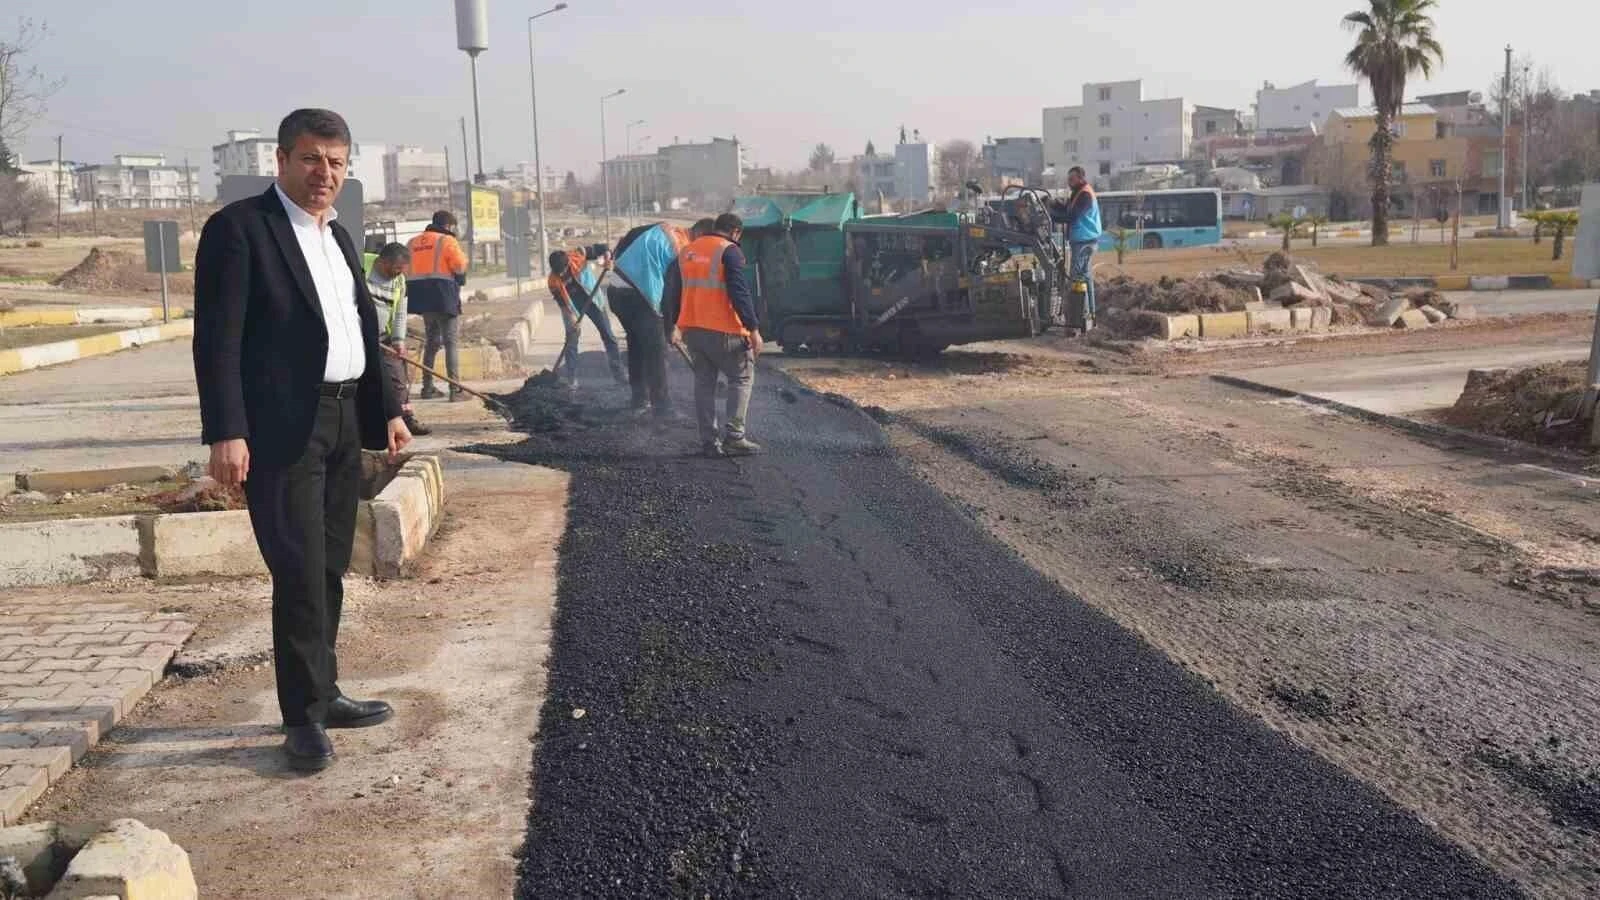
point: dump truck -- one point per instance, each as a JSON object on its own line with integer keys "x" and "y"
{"x": 829, "y": 279}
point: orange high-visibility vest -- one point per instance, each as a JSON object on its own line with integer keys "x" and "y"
{"x": 706, "y": 304}
{"x": 435, "y": 255}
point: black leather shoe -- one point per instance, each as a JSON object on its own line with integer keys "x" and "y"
{"x": 347, "y": 713}
{"x": 308, "y": 748}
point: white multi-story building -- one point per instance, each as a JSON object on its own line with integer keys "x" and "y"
{"x": 1303, "y": 106}
{"x": 136, "y": 181}
{"x": 416, "y": 177}
{"x": 1115, "y": 127}
{"x": 245, "y": 153}
{"x": 50, "y": 177}
{"x": 875, "y": 175}
{"x": 914, "y": 167}
{"x": 708, "y": 174}
{"x": 553, "y": 183}
{"x": 366, "y": 166}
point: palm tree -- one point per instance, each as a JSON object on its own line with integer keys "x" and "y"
{"x": 1289, "y": 225}
{"x": 1395, "y": 39}
{"x": 1316, "y": 221}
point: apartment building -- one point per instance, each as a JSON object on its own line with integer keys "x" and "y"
{"x": 1115, "y": 128}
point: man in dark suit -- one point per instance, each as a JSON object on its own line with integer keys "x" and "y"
{"x": 291, "y": 389}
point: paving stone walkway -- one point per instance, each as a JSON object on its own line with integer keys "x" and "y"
{"x": 69, "y": 672}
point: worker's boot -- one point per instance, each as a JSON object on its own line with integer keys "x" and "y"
{"x": 740, "y": 446}
{"x": 429, "y": 392}
{"x": 457, "y": 395}
{"x": 712, "y": 450}
{"x": 416, "y": 428}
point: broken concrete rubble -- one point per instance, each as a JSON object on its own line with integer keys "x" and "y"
{"x": 1412, "y": 319}
{"x": 1435, "y": 316}
{"x": 1389, "y": 313}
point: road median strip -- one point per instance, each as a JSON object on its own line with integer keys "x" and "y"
{"x": 23, "y": 359}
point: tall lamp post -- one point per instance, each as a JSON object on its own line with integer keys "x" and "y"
{"x": 538, "y": 166}
{"x": 627, "y": 142}
{"x": 639, "y": 178}
{"x": 472, "y": 36}
{"x": 605, "y": 171}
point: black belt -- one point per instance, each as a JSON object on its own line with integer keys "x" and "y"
{"x": 339, "y": 390}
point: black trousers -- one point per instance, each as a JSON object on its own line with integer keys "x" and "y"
{"x": 304, "y": 517}
{"x": 647, "y": 348}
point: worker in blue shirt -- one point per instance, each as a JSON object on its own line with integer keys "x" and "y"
{"x": 1083, "y": 234}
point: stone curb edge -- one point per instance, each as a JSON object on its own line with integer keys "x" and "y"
{"x": 24, "y": 359}
{"x": 80, "y": 315}
{"x": 1425, "y": 430}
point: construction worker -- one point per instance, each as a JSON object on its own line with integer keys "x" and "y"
{"x": 714, "y": 317}
{"x": 598, "y": 265}
{"x": 438, "y": 271}
{"x": 635, "y": 287}
{"x": 1083, "y": 236}
{"x": 386, "y": 281}
{"x": 575, "y": 299}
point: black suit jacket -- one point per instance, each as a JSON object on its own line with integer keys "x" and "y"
{"x": 260, "y": 342}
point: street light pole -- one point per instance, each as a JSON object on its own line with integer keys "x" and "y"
{"x": 1503, "y": 218}
{"x": 605, "y": 171}
{"x": 638, "y": 177}
{"x": 627, "y": 142}
{"x": 1528, "y": 201}
{"x": 538, "y": 165}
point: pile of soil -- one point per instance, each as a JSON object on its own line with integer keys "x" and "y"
{"x": 1541, "y": 405}
{"x": 200, "y": 496}
{"x": 113, "y": 271}
{"x": 1173, "y": 295}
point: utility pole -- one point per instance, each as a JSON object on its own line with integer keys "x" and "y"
{"x": 605, "y": 171}
{"x": 538, "y": 164}
{"x": 59, "y": 166}
{"x": 188, "y": 179}
{"x": 1528, "y": 200}
{"x": 449, "y": 196}
{"x": 1503, "y": 219}
{"x": 466, "y": 191}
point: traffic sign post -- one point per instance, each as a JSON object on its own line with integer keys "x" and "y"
{"x": 161, "y": 255}
{"x": 514, "y": 234}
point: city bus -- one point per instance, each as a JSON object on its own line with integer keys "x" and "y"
{"x": 1157, "y": 219}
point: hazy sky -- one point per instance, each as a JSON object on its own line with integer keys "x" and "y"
{"x": 173, "y": 76}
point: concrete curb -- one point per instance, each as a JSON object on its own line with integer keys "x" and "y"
{"x": 90, "y": 479}
{"x": 392, "y": 530}
{"x": 125, "y": 859}
{"x": 1483, "y": 282}
{"x": 405, "y": 516}
{"x": 523, "y": 333}
{"x": 23, "y": 359}
{"x": 78, "y": 315}
{"x": 69, "y": 550}
{"x": 1424, "y": 430}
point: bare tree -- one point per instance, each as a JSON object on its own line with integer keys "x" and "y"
{"x": 24, "y": 90}
{"x": 22, "y": 202}
{"x": 822, "y": 156}
{"x": 957, "y": 164}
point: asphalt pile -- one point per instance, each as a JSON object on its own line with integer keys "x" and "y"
{"x": 1541, "y": 404}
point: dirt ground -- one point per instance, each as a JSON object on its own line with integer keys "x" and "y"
{"x": 56, "y": 257}
{"x": 431, "y": 805}
{"x": 1400, "y": 258}
{"x": 1423, "y": 615}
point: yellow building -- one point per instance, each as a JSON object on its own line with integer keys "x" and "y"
{"x": 1430, "y": 158}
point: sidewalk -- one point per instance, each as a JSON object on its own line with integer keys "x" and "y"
{"x": 433, "y": 804}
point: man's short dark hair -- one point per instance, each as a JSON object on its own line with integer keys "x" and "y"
{"x": 1078, "y": 171}
{"x": 399, "y": 253}
{"x": 444, "y": 218}
{"x": 703, "y": 227}
{"x": 559, "y": 263}
{"x": 728, "y": 223}
{"x": 322, "y": 123}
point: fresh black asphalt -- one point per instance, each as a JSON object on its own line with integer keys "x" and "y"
{"x": 808, "y": 674}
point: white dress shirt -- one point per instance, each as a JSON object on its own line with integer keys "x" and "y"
{"x": 336, "y": 291}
